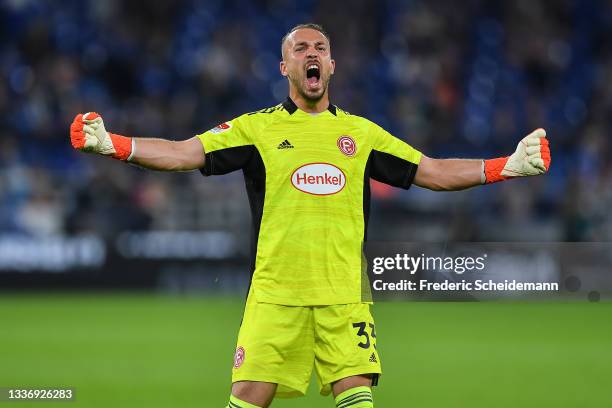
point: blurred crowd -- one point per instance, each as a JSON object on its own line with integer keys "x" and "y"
{"x": 454, "y": 80}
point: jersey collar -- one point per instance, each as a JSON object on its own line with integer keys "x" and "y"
{"x": 291, "y": 107}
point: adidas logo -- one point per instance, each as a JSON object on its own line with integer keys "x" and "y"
{"x": 285, "y": 145}
{"x": 373, "y": 358}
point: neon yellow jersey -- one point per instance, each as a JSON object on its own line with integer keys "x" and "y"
{"x": 307, "y": 179}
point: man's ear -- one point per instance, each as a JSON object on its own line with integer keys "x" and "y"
{"x": 283, "y": 68}
{"x": 333, "y": 66}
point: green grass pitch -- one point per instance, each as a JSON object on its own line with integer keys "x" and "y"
{"x": 151, "y": 351}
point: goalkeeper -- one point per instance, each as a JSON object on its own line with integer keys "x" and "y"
{"x": 307, "y": 166}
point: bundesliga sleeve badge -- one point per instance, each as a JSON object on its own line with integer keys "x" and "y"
{"x": 222, "y": 127}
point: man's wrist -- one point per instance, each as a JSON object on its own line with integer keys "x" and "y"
{"x": 483, "y": 176}
{"x": 131, "y": 156}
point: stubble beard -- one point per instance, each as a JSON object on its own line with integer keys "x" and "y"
{"x": 309, "y": 96}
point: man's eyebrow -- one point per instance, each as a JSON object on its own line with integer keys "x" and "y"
{"x": 320, "y": 42}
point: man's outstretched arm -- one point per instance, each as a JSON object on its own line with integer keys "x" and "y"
{"x": 531, "y": 158}
{"x": 87, "y": 133}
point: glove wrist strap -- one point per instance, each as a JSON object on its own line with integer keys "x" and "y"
{"x": 493, "y": 169}
{"x": 123, "y": 146}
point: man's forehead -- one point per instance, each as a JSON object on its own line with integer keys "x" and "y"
{"x": 305, "y": 35}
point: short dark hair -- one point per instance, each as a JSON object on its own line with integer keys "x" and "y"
{"x": 313, "y": 26}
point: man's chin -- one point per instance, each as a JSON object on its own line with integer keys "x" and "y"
{"x": 313, "y": 95}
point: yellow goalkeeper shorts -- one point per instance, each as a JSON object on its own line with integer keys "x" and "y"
{"x": 281, "y": 344}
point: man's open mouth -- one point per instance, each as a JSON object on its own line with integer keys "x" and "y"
{"x": 313, "y": 74}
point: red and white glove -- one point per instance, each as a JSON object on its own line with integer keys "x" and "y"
{"x": 87, "y": 133}
{"x": 531, "y": 158}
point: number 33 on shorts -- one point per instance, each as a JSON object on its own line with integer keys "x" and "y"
{"x": 368, "y": 339}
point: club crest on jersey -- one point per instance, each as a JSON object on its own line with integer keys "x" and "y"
{"x": 239, "y": 357}
{"x": 347, "y": 145}
{"x": 318, "y": 179}
{"x": 222, "y": 127}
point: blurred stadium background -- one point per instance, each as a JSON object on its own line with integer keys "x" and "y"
{"x": 128, "y": 284}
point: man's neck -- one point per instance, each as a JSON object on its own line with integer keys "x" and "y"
{"x": 308, "y": 106}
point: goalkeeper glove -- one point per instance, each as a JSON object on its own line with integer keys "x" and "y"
{"x": 87, "y": 133}
{"x": 531, "y": 158}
